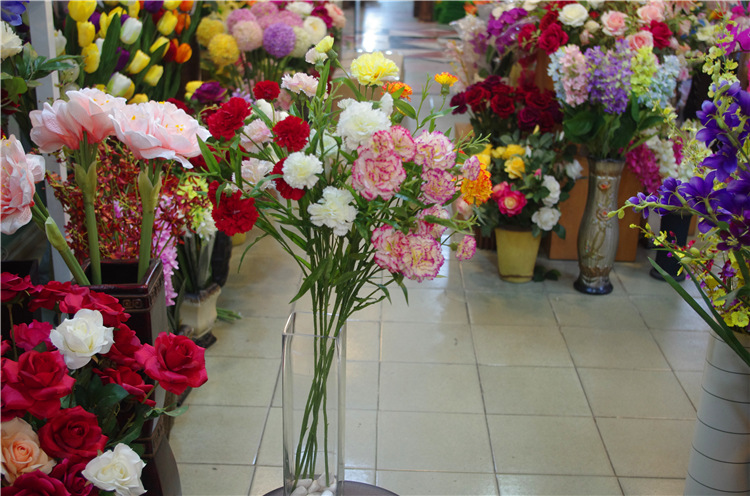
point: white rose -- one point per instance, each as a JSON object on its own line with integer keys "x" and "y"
{"x": 595, "y": 4}
{"x": 118, "y": 470}
{"x": 80, "y": 338}
{"x": 573, "y": 14}
{"x": 573, "y": 169}
{"x": 553, "y": 186}
{"x": 301, "y": 171}
{"x": 10, "y": 43}
{"x": 334, "y": 210}
{"x": 300, "y": 8}
{"x": 546, "y": 218}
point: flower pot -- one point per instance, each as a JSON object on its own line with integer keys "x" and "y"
{"x": 239, "y": 239}
{"x": 313, "y": 387}
{"x": 676, "y": 226}
{"x": 516, "y": 254}
{"x": 720, "y": 454}
{"x": 598, "y": 235}
{"x": 198, "y": 312}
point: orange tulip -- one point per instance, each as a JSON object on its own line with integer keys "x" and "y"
{"x": 186, "y": 6}
{"x": 184, "y": 52}
{"x": 183, "y": 22}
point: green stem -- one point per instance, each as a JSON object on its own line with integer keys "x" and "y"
{"x": 93, "y": 237}
{"x": 43, "y": 221}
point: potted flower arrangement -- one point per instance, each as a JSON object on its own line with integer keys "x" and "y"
{"x": 359, "y": 202}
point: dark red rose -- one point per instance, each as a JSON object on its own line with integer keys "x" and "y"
{"x": 549, "y": 19}
{"x": 459, "y": 101}
{"x": 266, "y": 90}
{"x": 28, "y": 336}
{"x": 175, "y": 361}
{"x": 552, "y": 38}
{"x": 72, "y": 432}
{"x": 232, "y": 214}
{"x": 130, "y": 380}
{"x": 36, "y": 483}
{"x": 52, "y": 293}
{"x": 69, "y": 471}
{"x": 11, "y": 285}
{"x": 546, "y": 122}
{"x": 503, "y": 106}
{"x": 540, "y": 100}
{"x": 123, "y": 350}
{"x": 291, "y": 133}
{"x": 113, "y": 313}
{"x": 527, "y": 36}
{"x": 228, "y": 118}
{"x": 477, "y": 97}
{"x": 528, "y": 118}
{"x": 36, "y": 383}
{"x": 282, "y": 186}
{"x": 661, "y": 32}
{"x": 181, "y": 105}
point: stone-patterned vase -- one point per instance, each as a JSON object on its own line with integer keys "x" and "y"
{"x": 598, "y": 234}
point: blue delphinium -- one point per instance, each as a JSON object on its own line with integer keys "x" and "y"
{"x": 663, "y": 84}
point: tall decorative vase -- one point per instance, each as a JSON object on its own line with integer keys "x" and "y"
{"x": 598, "y": 234}
{"x": 517, "y": 249}
{"x": 198, "y": 312}
{"x": 720, "y": 456}
{"x": 313, "y": 386}
{"x": 676, "y": 226}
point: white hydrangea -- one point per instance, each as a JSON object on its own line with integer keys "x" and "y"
{"x": 546, "y": 218}
{"x": 553, "y": 186}
{"x": 253, "y": 170}
{"x": 358, "y": 122}
{"x": 301, "y": 171}
{"x": 334, "y": 210}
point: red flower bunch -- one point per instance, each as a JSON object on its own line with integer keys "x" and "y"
{"x": 291, "y": 133}
{"x": 232, "y": 213}
{"x": 228, "y": 118}
{"x": 266, "y": 90}
{"x": 509, "y": 202}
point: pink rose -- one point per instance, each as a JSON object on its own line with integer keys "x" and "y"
{"x": 18, "y": 173}
{"x": 640, "y": 39}
{"x": 650, "y": 12}
{"x": 509, "y": 202}
{"x": 614, "y": 23}
{"x": 21, "y": 451}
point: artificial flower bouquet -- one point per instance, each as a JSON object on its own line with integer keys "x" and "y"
{"x": 77, "y": 391}
{"x": 658, "y": 157}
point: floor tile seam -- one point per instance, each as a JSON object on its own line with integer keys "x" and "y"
{"x": 209, "y": 464}
{"x": 644, "y": 417}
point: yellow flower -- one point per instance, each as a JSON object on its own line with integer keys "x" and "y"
{"x": 223, "y": 49}
{"x": 446, "y": 78}
{"x": 153, "y": 75}
{"x": 324, "y": 45}
{"x": 158, "y": 46}
{"x": 139, "y": 98}
{"x": 191, "y": 87}
{"x": 104, "y": 21}
{"x": 371, "y": 68}
{"x": 81, "y": 10}
{"x": 511, "y": 150}
{"x": 129, "y": 92}
{"x": 134, "y": 7}
{"x": 86, "y": 33}
{"x": 737, "y": 318}
{"x": 207, "y": 29}
{"x": 479, "y": 190}
{"x": 167, "y": 23}
{"x": 515, "y": 167}
{"x": 139, "y": 62}
{"x": 91, "y": 58}
{"x": 171, "y": 4}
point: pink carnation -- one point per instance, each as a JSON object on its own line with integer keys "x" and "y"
{"x": 423, "y": 258}
{"x": 300, "y": 82}
{"x": 466, "y": 248}
{"x": 336, "y": 15}
{"x": 381, "y": 143}
{"x": 390, "y": 246}
{"x": 434, "y": 151}
{"x": 403, "y": 143}
{"x": 439, "y": 186}
{"x": 254, "y": 134}
{"x": 428, "y": 228}
{"x": 471, "y": 167}
{"x": 374, "y": 175}
{"x": 18, "y": 173}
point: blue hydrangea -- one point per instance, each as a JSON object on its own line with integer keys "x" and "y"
{"x": 663, "y": 84}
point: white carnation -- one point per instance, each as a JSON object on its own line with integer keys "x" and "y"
{"x": 573, "y": 14}
{"x": 546, "y": 218}
{"x": 254, "y": 170}
{"x": 118, "y": 470}
{"x": 316, "y": 28}
{"x": 300, "y": 170}
{"x": 358, "y": 122}
{"x": 334, "y": 210}
{"x": 553, "y": 186}
{"x": 80, "y": 338}
{"x": 10, "y": 43}
{"x": 302, "y": 9}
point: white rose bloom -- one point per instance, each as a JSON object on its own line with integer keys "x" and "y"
{"x": 573, "y": 14}
{"x": 300, "y": 8}
{"x": 358, "y": 122}
{"x": 253, "y": 170}
{"x": 118, "y": 470}
{"x": 80, "y": 338}
{"x": 334, "y": 210}
{"x": 553, "y": 186}
{"x": 300, "y": 170}
{"x": 546, "y": 218}
{"x": 595, "y": 4}
{"x": 316, "y": 28}
{"x": 573, "y": 169}
{"x": 591, "y": 26}
{"x": 10, "y": 43}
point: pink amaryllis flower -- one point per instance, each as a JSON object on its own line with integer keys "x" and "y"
{"x": 18, "y": 173}
{"x": 159, "y": 130}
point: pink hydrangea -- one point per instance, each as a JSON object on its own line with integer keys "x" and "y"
{"x": 466, "y": 248}
{"x": 377, "y": 175}
{"x": 403, "y": 143}
{"x": 439, "y": 186}
{"x": 423, "y": 258}
{"x": 575, "y": 76}
{"x": 471, "y": 167}
{"x": 434, "y": 151}
{"x": 390, "y": 246}
{"x": 428, "y": 228}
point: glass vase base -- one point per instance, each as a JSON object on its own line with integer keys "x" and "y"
{"x": 596, "y": 286}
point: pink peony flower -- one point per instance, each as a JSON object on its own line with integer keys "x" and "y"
{"x": 439, "y": 186}
{"x": 640, "y": 39}
{"x": 650, "y": 12}
{"x": 159, "y": 130}
{"x": 18, "y": 173}
{"x": 434, "y": 151}
{"x": 390, "y": 246}
{"x": 614, "y": 23}
{"x": 403, "y": 143}
{"x": 377, "y": 175}
{"x": 466, "y": 248}
{"x": 428, "y": 228}
{"x": 423, "y": 258}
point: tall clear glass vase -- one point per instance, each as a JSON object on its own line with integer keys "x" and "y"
{"x": 313, "y": 387}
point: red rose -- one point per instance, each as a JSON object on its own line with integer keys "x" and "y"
{"x": 528, "y": 118}
{"x": 112, "y": 311}
{"x": 546, "y": 122}
{"x": 123, "y": 350}
{"x": 36, "y": 383}
{"x": 459, "y": 101}
{"x": 232, "y": 214}
{"x": 503, "y": 106}
{"x": 130, "y": 380}
{"x": 181, "y": 105}
{"x": 228, "y": 118}
{"x": 552, "y": 38}
{"x": 661, "y": 32}
{"x": 68, "y": 471}
{"x": 548, "y": 20}
{"x": 527, "y": 37}
{"x": 477, "y": 97}
{"x": 36, "y": 483}
{"x": 72, "y": 432}
{"x": 28, "y": 336}
{"x": 52, "y": 293}
{"x": 282, "y": 186}
{"x": 175, "y": 361}
{"x": 11, "y": 285}
{"x": 266, "y": 90}
{"x": 291, "y": 133}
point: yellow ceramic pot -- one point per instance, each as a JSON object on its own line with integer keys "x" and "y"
{"x": 516, "y": 253}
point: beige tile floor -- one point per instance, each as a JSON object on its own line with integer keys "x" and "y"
{"x": 477, "y": 387}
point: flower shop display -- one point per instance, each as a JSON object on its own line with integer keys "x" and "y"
{"x": 78, "y": 392}
{"x": 352, "y": 196}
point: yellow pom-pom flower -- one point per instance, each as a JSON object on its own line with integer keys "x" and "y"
{"x": 371, "y": 69}
{"x": 223, "y": 50}
{"x": 207, "y": 29}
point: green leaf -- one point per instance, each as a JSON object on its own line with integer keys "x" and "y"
{"x": 348, "y": 82}
{"x": 405, "y": 108}
{"x": 296, "y": 239}
{"x": 578, "y": 127}
{"x": 307, "y": 283}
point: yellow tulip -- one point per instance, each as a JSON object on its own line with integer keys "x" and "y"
{"x": 86, "y": 33}
{"x": 139, "y": 98}
{"x": 171, "y": 4}
{"x": 91, "y": 59}
{"x": 134, "y": 8}
{"x": 157, "y": 47}
{"x": 129, "y": 93}
{"x": 191, "y": 87}
{"x": 81, "y": 10}
{"x": 139, "y": 62}
{"x": 167, "y": 23}
{"x": 153, "y": 75}
{"x": 104, "y": 21}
